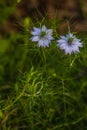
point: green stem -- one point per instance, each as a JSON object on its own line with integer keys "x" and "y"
{"x": 68, "y": 27}
{"x": 44, "y": 58}
{"x": 71, "y": 62}
{"x": 64, "y": 100}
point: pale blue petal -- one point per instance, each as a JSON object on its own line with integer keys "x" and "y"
{"x": 36, "y": 31}
{"x": 79, "y": 44}
{"x": 46, "y": 43}
{"x": 49, "y": 37}
{"x": 35, "y": 38}
{"x": 62, "y": 46}
{"x": 49, "y": 32}
{"x": 78, "y": 40}
{"x": 70, "y": 35}
{"x": 63, "y": 37}
{"x": 61, "y": 40}
{"x": 68, "y": 50}
{"x": 75, "y": 48}
{"x": 43, "y": 28}
{"x": 40, "y": 43}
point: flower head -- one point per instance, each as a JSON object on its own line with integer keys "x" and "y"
{"x": 42, "y": 35}
{"x": 69, "y": 43}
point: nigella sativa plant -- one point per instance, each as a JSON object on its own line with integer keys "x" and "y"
{"x": 42, "y": 35}
{"x": 69, "y": 43}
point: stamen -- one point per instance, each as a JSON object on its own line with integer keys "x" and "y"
{"x": 43, "y": 34}
{"x": 70, "y": 40}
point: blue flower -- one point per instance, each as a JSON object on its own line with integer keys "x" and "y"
{"x": 42, "y": 35}
{"x": 69, "y": 43}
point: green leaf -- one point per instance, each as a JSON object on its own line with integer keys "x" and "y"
{"x": 1, "y": 114}
{"x": 27, "y": 22}
{"x": 4, "y": 44}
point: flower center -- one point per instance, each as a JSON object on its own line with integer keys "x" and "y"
{"x": 43, "y": 34}
{"x": 70, "y": 40}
